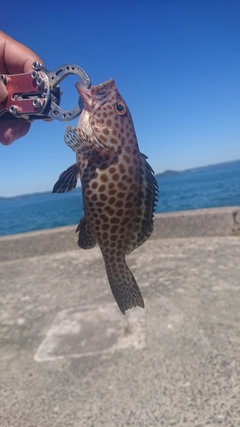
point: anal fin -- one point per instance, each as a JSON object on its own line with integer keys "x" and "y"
{"x": 85, "y": 238}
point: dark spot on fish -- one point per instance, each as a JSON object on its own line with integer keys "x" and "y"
{"x": 128, "y": 149}
{"x": 94, "y": 185}
{"x": 105, "y": 227}
{"x": 120, "y": 195}
{"x": 102, "y": 138}
{"x": 125, "y": 220}
{"x": 121, "y": 267}
{"x": 104, "y": 218}
{"x": 119, "y": 212}
{"x": 104, "y": 177}
{"x": 105, "y": 235}
{"x": 112, "y": 200}
{"x": 119, "y": 204}
{"x": 128, "y": 205}
{"x": 94, "y": 197}
{"x": 114, "y": 220}
{"x": 114, "y": 228}
{"x": 116, "y": 177}
{"x": 103, "y": 197}
{"x": 122, "y": 231}
{"x": 99, "y": 204}
{"x": 113, "y": 140}
{"x": 112, "y": 192}
{"x": 130, "y": 170}
{"x": 126, "y": 158}
{"x": 122, "y": 168}
{"x": 122, "y": 186}
{"x": 112, "y": 169}
{"x": 130, "y": 196}
{"x": 102, "y": 188}
{"x": 109, "y": 210}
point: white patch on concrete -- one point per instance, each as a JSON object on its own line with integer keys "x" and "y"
{"x": 91, "y": 330}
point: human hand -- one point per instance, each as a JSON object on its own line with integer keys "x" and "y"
{"x": 15, "y": 58}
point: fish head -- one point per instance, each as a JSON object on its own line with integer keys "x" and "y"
{"x": 105, "y": 116}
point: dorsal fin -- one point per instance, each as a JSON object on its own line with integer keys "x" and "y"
{"x": 147, "y": 197}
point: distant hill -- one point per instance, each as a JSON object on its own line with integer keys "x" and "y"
{"x": 198, "y": 169}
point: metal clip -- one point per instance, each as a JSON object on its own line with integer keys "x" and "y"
{"x": 37, "y": 95}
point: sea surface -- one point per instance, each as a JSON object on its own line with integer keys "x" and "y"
{"x": 204, "y": 188}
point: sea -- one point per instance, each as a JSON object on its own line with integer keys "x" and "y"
{"x": 206, "y": 187}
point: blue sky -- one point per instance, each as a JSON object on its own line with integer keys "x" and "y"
{"x": 175, "y": 62}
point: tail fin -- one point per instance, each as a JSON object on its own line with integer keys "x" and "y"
{"x": 124, "y": 287}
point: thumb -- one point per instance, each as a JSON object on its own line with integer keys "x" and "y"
{"x": 3, "y": 91}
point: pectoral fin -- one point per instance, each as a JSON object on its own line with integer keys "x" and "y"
{"x": 67, "y": 181}
{"x": 90, "y": 146}
{"x": 79, "y": 141}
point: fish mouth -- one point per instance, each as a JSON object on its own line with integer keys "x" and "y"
{"x": 95, "y": 95}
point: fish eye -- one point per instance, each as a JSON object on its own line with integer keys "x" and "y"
{"x": 120, "y": 108}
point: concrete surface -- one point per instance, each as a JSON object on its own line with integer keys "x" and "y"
{"x": 69, "y": 358}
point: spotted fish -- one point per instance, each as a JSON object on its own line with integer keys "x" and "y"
{"x": 118, "y": 186}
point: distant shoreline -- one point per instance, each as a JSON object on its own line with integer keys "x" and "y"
{"x": 166, "y": 173}
{"x": 170, "y": 172}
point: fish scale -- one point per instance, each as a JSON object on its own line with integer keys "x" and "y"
{"x": 118, "y": 186}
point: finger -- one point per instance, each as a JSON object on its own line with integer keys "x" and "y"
{"x": 12, "y": 130}
{"x": 3, "y": 91}
{"x": 16, "y": 57}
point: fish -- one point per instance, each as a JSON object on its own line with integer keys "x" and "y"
{"x": 119, "y": 188}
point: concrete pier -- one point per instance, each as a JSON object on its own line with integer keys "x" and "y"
{"x": 69, "y": 358}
